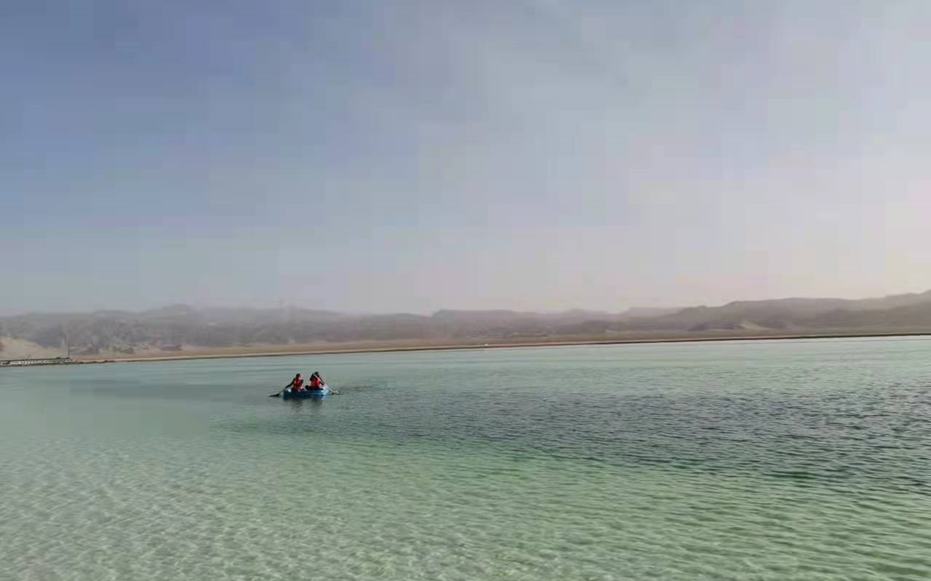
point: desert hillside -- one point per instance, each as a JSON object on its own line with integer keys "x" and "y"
{"x": 179, "y": 329}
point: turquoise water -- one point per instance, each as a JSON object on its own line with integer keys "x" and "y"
{"x": 807, "y": 460}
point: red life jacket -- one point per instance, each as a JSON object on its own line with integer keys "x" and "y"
{"x": 315, "y": 383}
{"x": 297, "y": 384}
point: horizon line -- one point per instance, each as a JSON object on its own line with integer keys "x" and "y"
{"x": 19, "y": 313}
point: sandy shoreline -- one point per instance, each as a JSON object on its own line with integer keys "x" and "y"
{"x": 375, "y": 348}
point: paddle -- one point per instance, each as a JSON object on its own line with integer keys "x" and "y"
{"x": 325, "y": 386}
{"x": 281, "y": 391}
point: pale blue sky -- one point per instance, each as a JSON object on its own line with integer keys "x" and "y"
{"x": 410, "y": 155}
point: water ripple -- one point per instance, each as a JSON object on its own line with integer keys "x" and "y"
{"x": 797, "y": 461}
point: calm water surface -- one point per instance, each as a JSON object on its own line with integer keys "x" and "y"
{"x": 806, "y": 460}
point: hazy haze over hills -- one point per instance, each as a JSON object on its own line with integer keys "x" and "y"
{"x": 180, "y": 329}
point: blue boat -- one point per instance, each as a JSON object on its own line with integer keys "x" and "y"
{"x": 306, "y": 393}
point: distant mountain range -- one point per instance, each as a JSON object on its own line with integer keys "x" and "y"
{"x": 180, "y": 328}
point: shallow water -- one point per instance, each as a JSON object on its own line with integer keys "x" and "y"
{"x": 807, "y": 460}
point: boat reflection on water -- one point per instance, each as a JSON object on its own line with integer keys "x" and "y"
{"x": 297, "y": 405}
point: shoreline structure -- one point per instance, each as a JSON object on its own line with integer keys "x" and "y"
{"x": 337, "y": 349}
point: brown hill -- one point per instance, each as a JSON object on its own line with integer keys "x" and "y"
{"x": 168, "y": 329}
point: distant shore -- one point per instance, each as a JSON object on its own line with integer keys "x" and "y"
{"x": 397, "y": 347}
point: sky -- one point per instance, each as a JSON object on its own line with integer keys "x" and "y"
{"x": 412, "y": 155}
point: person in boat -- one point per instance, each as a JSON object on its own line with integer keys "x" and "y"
{"x": 297, "y": 384}
{"x": 316, "y": 382}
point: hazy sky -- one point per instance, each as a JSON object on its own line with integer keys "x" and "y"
{"x": 409, "y": 155}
